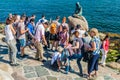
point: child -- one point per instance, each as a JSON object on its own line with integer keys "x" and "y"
{"x": 105, "y": 49}
{"x": 56, "y": 58}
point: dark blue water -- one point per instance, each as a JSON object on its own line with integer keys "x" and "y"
{"x": 102, "y": 14}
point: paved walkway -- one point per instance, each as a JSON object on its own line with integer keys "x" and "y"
{"x": 35, "y": 70}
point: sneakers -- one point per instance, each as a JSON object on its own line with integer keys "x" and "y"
{"x": 43, "y": 61}
{"x": 14, "y": 64}
{"x": 24, "y": 56}
{"x": 38, "y": 59}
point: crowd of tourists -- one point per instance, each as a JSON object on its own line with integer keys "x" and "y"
{"x": 67, "y": 43}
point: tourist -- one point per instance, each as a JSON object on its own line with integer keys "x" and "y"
{"x": 64, "y": 37}
{"x": 40, "y": 20}
{"x": 10, "y": 32}
{"x": 77, "y": 51}
{"x": 21, "y": 35}
{"x": 10, "y": 16}
{"x": 56, "y": 58}
{"x": 30, "y": 26}
{"x": 33, "y": 18}
{"x": 30, "y": 34}
{"x": 16, "y": 21}
{"x": 105, "y": 49}
{"x": 57, "y": 21}
{"x": 95, "y": 51}
{"x": 15, "y": 25}
{"x": 63, "y": 24}
{"x": 81, "y": 31}
{"x": 53, "y": 35}
{"x": 39, "y": 39}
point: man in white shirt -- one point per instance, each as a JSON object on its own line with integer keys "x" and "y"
{"x": 39, "y": 39}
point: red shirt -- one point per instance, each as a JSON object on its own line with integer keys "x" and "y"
{"x": 106, "y": 44}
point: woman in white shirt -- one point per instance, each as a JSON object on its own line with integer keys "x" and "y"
{"x": 10, "y": 32}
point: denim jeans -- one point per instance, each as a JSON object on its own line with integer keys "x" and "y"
{"x": 12, "y": 51}
{"x": 93, "y": 63}
{"x": 78, "y": 57}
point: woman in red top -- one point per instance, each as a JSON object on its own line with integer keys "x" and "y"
{"x": 105, "y": 49}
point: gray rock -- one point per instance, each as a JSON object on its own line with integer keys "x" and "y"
{"x": 51, "y": 78}
{"x": 41, "y": 71}
{"x": 28, "y": 69}
{"x": 30, "y": 75}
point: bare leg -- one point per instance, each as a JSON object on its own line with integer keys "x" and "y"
{"x": 22, "y": 51}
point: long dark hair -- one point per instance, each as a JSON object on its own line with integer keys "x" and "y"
{"x": 106, "y": 37}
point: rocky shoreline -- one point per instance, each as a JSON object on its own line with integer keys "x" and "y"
{"x": 31, "y": 69}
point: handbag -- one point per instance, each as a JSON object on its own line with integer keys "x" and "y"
{"x": 87, "y": 56}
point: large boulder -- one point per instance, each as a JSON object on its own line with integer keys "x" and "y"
{"x": 73, "y": 21}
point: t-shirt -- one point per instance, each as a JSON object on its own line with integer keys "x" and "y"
{"x": 78, "y": 51}
{"x": 106, "y": 45}
{"x": 21, "y": 26}
{"x": 65, "y": 24}
{"x": 56, "y": 56}
{"x": 63, "y": 38}
{"x": 8, "y": 33}
{"x": 31, "y": 28}
{"x": 40, "y": 31}
{"x": 81, "y": 32}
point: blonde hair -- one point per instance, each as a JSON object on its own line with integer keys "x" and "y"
{"x": 95, "y": 31}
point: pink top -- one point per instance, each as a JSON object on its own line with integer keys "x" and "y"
{"x": 63, "y": 38}
{"x": 106, "y": 45}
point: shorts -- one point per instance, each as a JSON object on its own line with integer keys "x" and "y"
{"x": 22, "y": 42}
{"x": 54, "y": 37}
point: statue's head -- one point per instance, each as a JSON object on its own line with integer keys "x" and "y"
{"x": 78, "y": 4}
